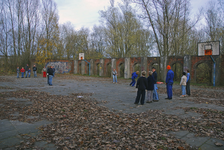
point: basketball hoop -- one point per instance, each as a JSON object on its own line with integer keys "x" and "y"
{"x": 210, "y": 48}
{"x": 81, "y": 56}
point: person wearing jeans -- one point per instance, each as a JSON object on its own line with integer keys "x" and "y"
{"x": 35, "y": 71}
{"x": 26, "y": 69}
{"x": 155, "y": 94}
{"x": 183, "y": 83}
{"x": 114, "y": 72}
{"x": 50, "y": 73}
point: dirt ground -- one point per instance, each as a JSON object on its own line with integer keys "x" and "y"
{"x": 93, "y": 113}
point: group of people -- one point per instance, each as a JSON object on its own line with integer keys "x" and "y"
{"x": 150, "y": 84}
{"x": 49, "y": 72}
{"x": 27, "y": 71}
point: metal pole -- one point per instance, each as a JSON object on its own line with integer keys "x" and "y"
{"x": 213, "y": 70}
{"x": 89, "y": 65}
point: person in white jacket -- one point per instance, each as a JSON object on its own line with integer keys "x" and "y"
{"x": 183, "y": 83}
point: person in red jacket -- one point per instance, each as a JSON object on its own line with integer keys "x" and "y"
{"x": 22, "y": 72}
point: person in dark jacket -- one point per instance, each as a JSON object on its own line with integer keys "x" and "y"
{"x": 141, "y": 85}
{"x": 134, "y": 75}
{"x": 169, "y": 82}
{"x": 26, "y": 69}
{"x": 50, "y": 73}
{"x": 35, "y": 71}
{"x": 150, "y": 82}
{"x": 155, "y": 94}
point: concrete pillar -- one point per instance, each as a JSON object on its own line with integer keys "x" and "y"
{"x": 127, "y": 68}
{"x": 113, "y": 66}
{"x": 75, "y": 66}
{"x": 83, "y": 67}
{"x": 187, "y": 63}
{"x": 91, "y": 67}
{"x": 144, "y": 64}
{"x": 163, "y": 64}
{"x": 101, "y": 67}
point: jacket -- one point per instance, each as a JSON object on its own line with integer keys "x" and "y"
{"x": 183, "y": 80}
{"x": 134, "y": 75}
{"x": 141, "y": 83}
{"x": 169, "y": 77}
{"x": 155, "y": 76}
{"x": 22, "y": 70}
{"x": 27, "y": 68}
{"x": 150, "y": 82}
{"x": 50, "y": 71}
{"x": 34, "y": 68}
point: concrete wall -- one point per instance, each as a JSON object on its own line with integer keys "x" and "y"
{"x": 100, "y": 66}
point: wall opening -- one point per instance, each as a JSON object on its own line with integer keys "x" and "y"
{"x": 121, "y": 70}
{"x": 178, "y": 71}
{"x": 137, "y": 67}
{"x": 87, "y": 69}
{"x": 108, "y": 70}
{"x": 203, "y": 73}
{"x": 97, "y": 70}
{"x": 80, "y": 68}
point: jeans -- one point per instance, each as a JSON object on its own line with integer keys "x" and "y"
{"x": 133, "y": 82}
{"x": 155, "y": 94}
{"x": 17, "y": 75}
{"x": 22, "y": 74}
{"x": 140, "y": 93}
{"x": 188, "y": 91}
{"x": 50, "y": 79}
{"x": 183, "y": 88}
{"x": 29, "y": 74}
{"x": 169, "y": 87}
{"x": 35, "y": 73}
{"x": 115, "y": 78}
{"x": 26, "y": 73}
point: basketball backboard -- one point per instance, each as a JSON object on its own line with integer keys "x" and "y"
{"x": 81, "y": 56}
{"x": 208, "y": 48}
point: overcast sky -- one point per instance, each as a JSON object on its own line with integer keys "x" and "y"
{"x": 85, "y": 13}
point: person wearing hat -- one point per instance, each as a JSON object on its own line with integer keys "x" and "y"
{"x": 142, "y": 86}
{"x": 169, "y": 82}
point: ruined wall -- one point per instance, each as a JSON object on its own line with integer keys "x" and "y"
{"x": 103, "y": 67}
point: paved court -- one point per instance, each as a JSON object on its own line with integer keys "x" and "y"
{"x": 117, "y": 97}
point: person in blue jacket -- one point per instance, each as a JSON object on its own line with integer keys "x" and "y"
{"x": 134, "y": 76}
{"x": 169, "y": 82}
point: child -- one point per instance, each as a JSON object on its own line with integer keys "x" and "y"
{"x": 17, "y": 70}
{"x": 134, "y": 75}
{"x": 150, "y": 81}
{"x": 183, "y": 84}
{"x": 22, "y": 72}
{"x": 29, "y": 71}
{"x": 141, "y": 85}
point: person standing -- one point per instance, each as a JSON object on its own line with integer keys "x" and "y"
{"x": 134, "y": 75}
{"x": 183, "y": 83}
{"x": 26, "y": 69}
{"x": 155, "y": 94}
{"x": 188, "y": 91}
{"x": 141, "y": 85}
{"x": 150, "y": 82}
{"x": 169, "y": 82}
{"x": 44, "y": 70}
{"x": 35, "y": 71}
{"x": 17, "y": 70}
{"x": 22, "y": 72}
{"x": 50, "y": 73}
{"x": 114, "y": 72}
